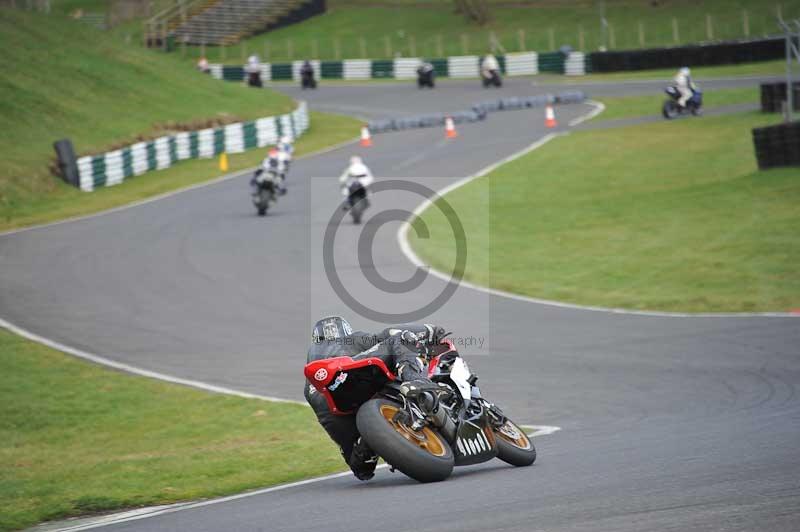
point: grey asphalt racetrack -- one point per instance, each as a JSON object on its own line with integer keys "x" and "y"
{"x": 669, "y": 423}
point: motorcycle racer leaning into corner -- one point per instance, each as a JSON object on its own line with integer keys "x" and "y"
{"x": 399, "y": 347}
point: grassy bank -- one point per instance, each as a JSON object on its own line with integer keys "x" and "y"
{"x": 65, "y": 201}
{"x": 78, "y": 439}
{"x": 433, "y": 29}
{"x": 670, "y": 215}
{"x": 63, "y": 78}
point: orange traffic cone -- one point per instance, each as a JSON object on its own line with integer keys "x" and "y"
{"x": 549, "y": 117}
{"x": 450, "y": 128}
{"x": 366, "y": 140}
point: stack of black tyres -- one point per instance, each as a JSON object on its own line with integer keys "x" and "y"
{"x": 774, "y": 94}
{"x": 777, "y": 146}
{"x": 477, "y": 113}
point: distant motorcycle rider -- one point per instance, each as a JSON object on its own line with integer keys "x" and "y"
{"x": 307, "y": 78}
{"x": 425, "y": 74}
{"x": 489, "y": 65}
{"x": 286, "y": 150}
{"x": 399, "y": 347}
{"x": 357, "y": 172}
{"x": 273, "y": 165}
{"x": 685, "y": 85}
{"x": 253, "y": 71}
{"x": 490, "y": 71}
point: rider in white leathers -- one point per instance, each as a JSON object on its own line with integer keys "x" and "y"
{"x": 489, "y": 63}
{"x": 273, "y": 164}
{"x": 285, "y": 147}
{"x": 356, "y": 172}
{"x": 685, "y": 85}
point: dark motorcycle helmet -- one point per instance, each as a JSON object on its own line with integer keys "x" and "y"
{"x": 331, "y": 328}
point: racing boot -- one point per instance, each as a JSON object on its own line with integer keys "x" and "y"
{"x": 363, "y": 461}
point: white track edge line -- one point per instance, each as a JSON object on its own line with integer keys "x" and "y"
{"x": 158, "y": 197}
{"x": 127, "y": 368}
{"x": 599, "y": 107}
{"x": 411, "y": 256}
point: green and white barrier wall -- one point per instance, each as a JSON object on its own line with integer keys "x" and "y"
{"x": 114, "y": 167}
{"x": 467, "y": 66}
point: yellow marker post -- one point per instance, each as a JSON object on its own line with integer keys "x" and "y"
{"x": 223, "y": 162}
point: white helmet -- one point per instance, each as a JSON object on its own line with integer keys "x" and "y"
{"x": 684, "y": 71}
{"x": 355, "y": 159}
{"x": 285, "y": 139}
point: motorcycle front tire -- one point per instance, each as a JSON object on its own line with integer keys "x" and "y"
{"x": 514, "y": 446}
{"x": 263, "y": 202}
{"x": 422, "y": 455}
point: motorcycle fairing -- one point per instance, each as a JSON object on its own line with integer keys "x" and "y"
{"x": 474, "y": 444}
{"x": 449, "y": 364}
{"x": 346, "y": 383}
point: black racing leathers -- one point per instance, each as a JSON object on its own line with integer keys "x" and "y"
{"x": 399, "y": 356}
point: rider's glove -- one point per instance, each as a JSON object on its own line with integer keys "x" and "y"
{"x": 415, "y": 341}
{"x": 434, "y": 334}
{"x": 409, "y": 338}
{"x": 417, "y": 386}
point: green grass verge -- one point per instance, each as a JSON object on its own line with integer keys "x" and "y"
{"x": 65, "y": 201}
{"x": 77, "y": 439}
{"x": 417, "y": 28}
{"x": 63, "y": 78}
{"x": 765, "y": 68}
{"x": 670, "y": 215}
{"x": 650, "y": 104}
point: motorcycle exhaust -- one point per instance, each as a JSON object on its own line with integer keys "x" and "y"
{"x": 437, "y": 415}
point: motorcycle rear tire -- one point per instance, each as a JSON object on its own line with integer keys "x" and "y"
{"x": 401, "y": 447}
{"x": 519, "y": 453}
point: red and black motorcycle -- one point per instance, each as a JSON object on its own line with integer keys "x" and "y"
{"x": 424, "y": 435}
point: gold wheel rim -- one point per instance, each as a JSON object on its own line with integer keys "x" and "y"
{"x": 513, "y": 435}
{"x": 424, "y": 438}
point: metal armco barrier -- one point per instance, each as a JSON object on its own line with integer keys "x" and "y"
{"x": 114, "y": 167}
{"x": 777, "y": 146}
